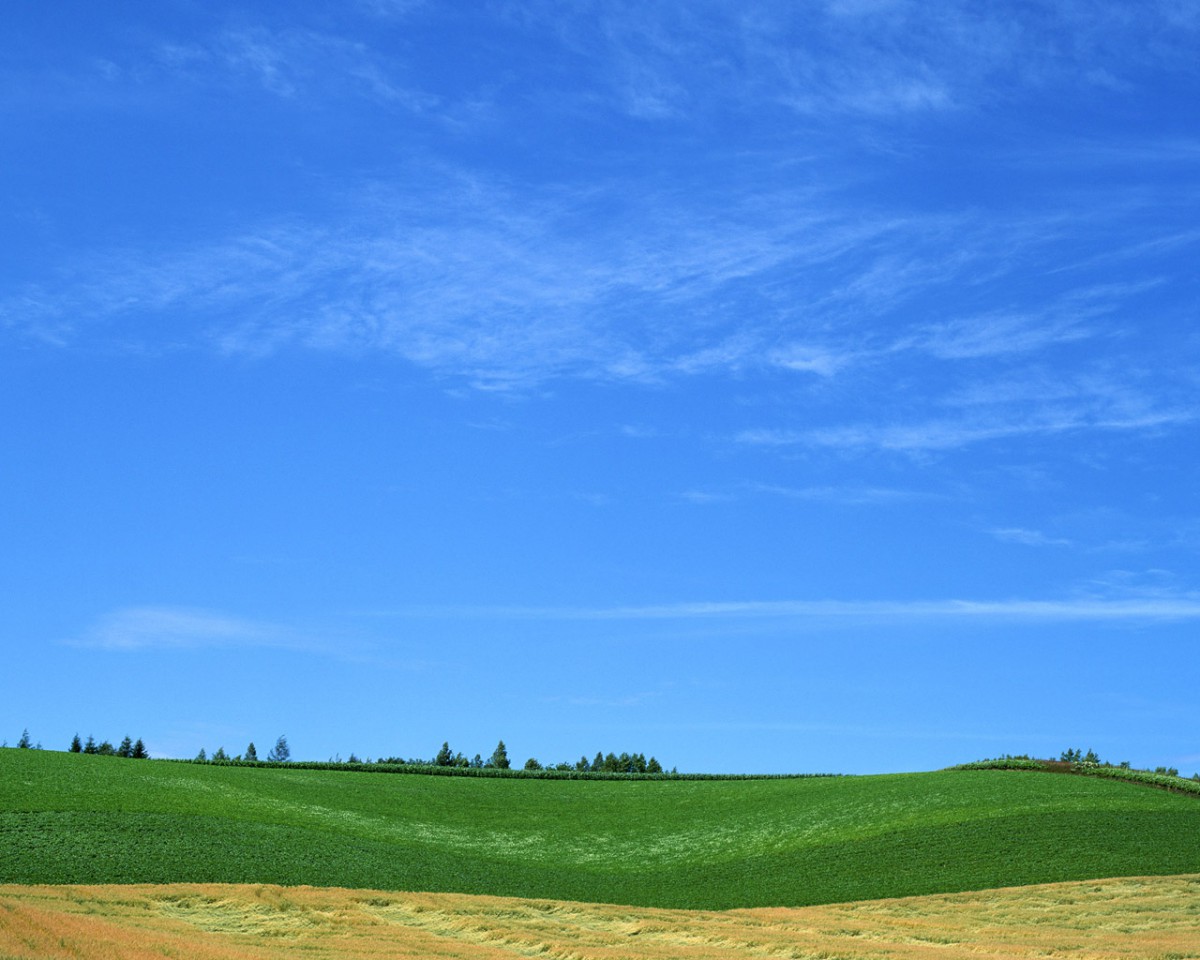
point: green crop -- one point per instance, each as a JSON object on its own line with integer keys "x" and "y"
{"x": 70, "y": 818}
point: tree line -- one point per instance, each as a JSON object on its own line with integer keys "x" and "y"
{"x": 1092, "y": 759}
{"x": 499, "y": 760}
{"x": 280, "y": 753}
{"x": 133, "y": 750}
{"x": 130, "y": 748}
{"x": 1073, "y": 760}
{"x": 445, "y": 757}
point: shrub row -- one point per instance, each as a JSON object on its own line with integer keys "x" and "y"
{"x": 1163, "y": 781}
{"x": 434, "y": 770}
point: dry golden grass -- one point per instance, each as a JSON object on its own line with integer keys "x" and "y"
{"x": 1152, "y": 918}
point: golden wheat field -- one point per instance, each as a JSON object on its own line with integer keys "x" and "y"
{"x": 1143, "y": 918}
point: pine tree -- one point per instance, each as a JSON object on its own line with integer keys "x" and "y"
{"x": 90, "y": 746}
{"x": 251, "y": 753}
{"x": 126, "y": 748}
{"x": 499, "y": 757}
{"x": 598, "y": 762}
{"x": 281, "y": 752}
{"x": 139, "y": 751}
{"x": 202, "y": 756}
{"x": 76, "y": 744}
{"x": 105, "y": 749}
{"x": 220, "y": 754}
{"x": 653, "y": 766}
{"x": 582, "y": 765}
{"x": 444, "y": 757}
{"x": 25, "y": 743}
{"x": 532, "y": 764}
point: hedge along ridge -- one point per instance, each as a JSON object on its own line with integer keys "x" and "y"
{"x": 1162, "y": 781}
{"x": 437, "y": 771}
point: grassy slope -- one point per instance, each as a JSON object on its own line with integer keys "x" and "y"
{"x": 80, "y": 819}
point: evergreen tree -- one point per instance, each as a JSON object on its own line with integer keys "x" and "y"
{"x": 611, "y": 763}
{"x": 76, "y": 744}
{"x": 477, "y": 761}
{"x": 125, "y": 749}
{"x": 281, "y": 752}
{"x": 90, "y": 746}
{"x": 499, "y": 757}
{"x": 638, "y": 763}
{"x": 532, "y": 764}
{"x": 25, "y": 743}
{"x": 444, "y": 757}
{"x": 105, "y": 749}
{"x": 582, "y": 765}
{"x": 220, "y": 755}
{"x": 251, "y": 753}
{"x": 202, "y": 756}
{"x": 139, "y": 751}
{"x": 653, "y": 766}
{"x": 598, "y": 762}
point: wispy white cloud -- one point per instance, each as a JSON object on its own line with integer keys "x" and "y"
{"x": 849, "y": 495}
{"x": 703, "y": 497}
{"x": 853, "y": 495}
{"x": 178, "y": 628}
{"x": 1114, "y": 410}
{"x": 1029, "y": 538}
{"x": 289, "y": 63}
{"x": 989, "y": 336}
{"x": 506, "y": 290}
{"x": 1135, "y": 609}
{"x": 870, "y": 59}
{"x": 823, "y": 361}
{"x": 496, "y": 288}
{"x": 391, "y": 9}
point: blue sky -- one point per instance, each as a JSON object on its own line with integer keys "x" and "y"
{"x": 770, "y": 386}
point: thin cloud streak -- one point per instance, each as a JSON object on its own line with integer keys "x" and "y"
{"x": 1028, "y": 538}
{"x": 136, "y": 629}
{"x": 1150, "y": 609}
{"x": 942, "y": 435}
{"x": 844, "y": 495}
{"x": 290, "y": 64}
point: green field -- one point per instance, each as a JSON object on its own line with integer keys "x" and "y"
{"x": 68, "y": 818}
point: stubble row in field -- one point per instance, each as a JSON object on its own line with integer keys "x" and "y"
{"x": 1145, "y": 918}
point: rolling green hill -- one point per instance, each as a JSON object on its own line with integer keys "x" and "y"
{"x": 69, "y": 818}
